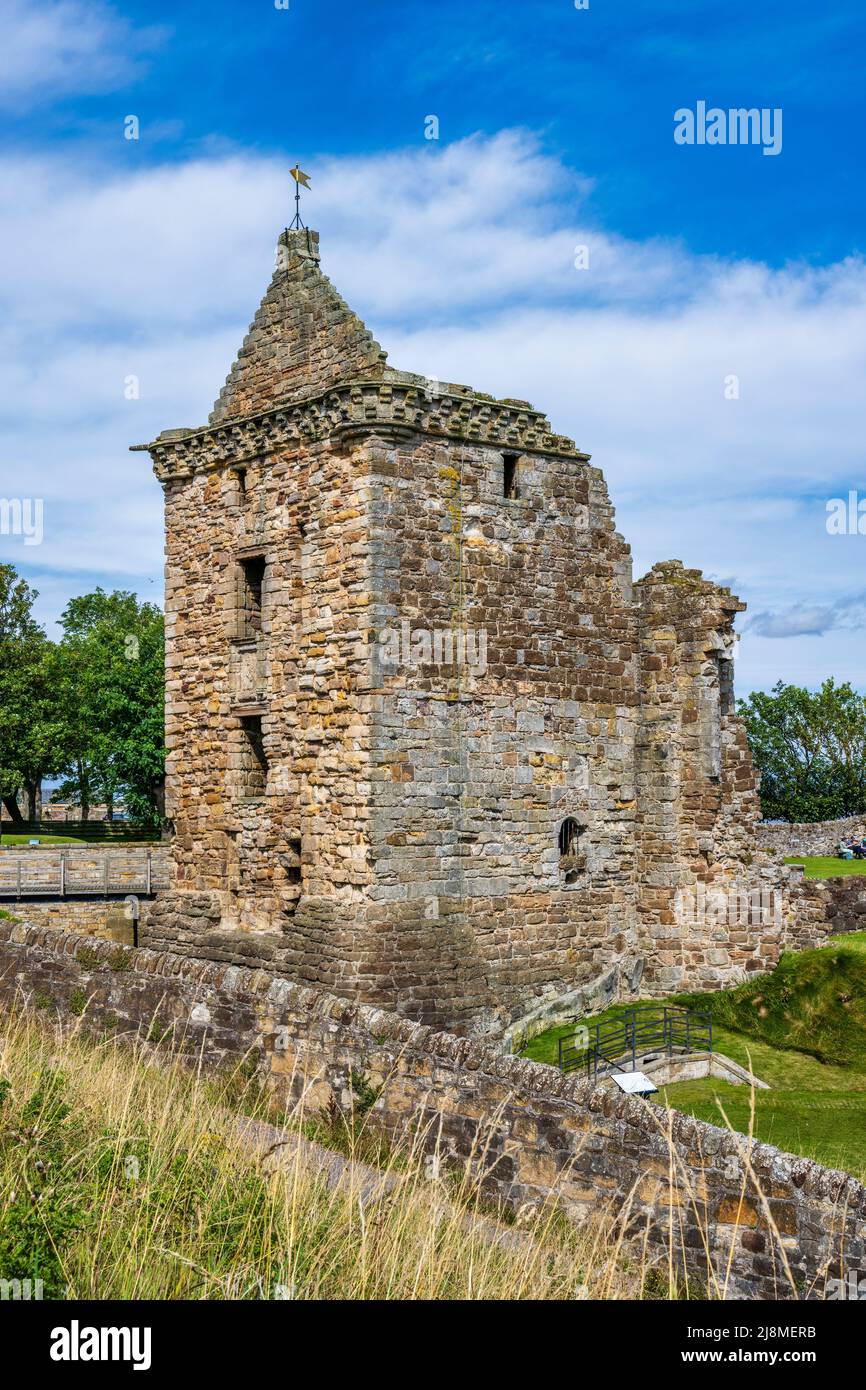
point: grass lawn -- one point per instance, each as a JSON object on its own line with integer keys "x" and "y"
{"x": 10, "y": 841}
{"x": 825, "y": 866}
{"x": 802, "y": 1029}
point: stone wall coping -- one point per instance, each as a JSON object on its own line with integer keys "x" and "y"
{"x": 468, "y": 1054}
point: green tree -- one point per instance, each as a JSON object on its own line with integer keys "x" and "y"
{"x": 29, "y": 732}
{"x": 810, "y": 749}
{"x": 111, "y": 678}
{"x": 39, "y": 734}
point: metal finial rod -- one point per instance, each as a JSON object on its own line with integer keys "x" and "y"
{"x": 300, "y": 179}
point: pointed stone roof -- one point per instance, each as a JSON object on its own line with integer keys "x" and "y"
{"x": 303, "y": 339}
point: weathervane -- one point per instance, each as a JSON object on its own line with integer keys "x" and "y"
{"x": 302, "y": 180}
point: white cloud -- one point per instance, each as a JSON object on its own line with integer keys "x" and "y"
{"x": 811, "y": 620}
{"x": 461, "y": 260}
{"x": 54, "y": 48}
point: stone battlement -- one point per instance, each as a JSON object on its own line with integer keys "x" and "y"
{"x": 452, "y": 413}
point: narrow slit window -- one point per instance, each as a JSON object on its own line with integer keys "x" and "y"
{"x": 254, "y": 758}
{"x": 569, "y": 834}
{"x": 509, "y": 476}
{"x": 571, "y": 860}
{"x": 293, "y": 862}
{"x": 251, "y": 575}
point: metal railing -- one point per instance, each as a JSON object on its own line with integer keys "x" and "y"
{"x": 616, "y": 1044}
{"x": 53, "y": 874}
{"x": 89, "y": 831}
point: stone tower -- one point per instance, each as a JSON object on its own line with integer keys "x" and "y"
{"x": 428, "y": 746}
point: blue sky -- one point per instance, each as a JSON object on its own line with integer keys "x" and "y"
{"x": 147, "y": 258}
{"x": 349, "y": 78}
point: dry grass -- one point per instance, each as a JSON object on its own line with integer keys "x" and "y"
{"x": 121, "y": 1178}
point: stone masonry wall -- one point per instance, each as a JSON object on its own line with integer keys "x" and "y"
{"x": 281, "y": 862}
{"x": 811, "y": 837}
{"x": 697, "y": 795}
{"x": 478, "y": 762}
{"x": 827, "y": 907}
{"x": 109, "y": 921}
{"x": 463, "y": 838}
{"x": 527, "y": 1130}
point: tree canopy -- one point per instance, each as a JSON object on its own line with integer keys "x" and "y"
{"x": 89, "y": 708}
{"x": 810, "y": 749}
{"x": 26, "y": 751}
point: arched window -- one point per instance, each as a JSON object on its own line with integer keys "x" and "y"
{"x": 571, "y": 861}
{"x": 569, "y": 833}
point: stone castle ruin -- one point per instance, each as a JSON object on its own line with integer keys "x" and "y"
{"x": 430, "y": 746}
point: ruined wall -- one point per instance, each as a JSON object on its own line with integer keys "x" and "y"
{"x": 824, "y": 907}
{"x": 697, "y": 794}
{"x": 528, "y": 1131}
{"x": 479, "y": 761}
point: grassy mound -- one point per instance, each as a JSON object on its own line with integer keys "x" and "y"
{"x": 813, "y": 1002}
{"x": 12, "y": 841}
{"x": 825, "y": 866}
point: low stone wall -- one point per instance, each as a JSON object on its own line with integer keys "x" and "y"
{"x": 527, "y": 1130}
{"x": 811, "y": 837}
{"x": 108, "y": 921}
{"x": 620, "y": 982}
{"x": 690, "y": 1066}
{"x": 663, "y": 1070}
{"x": 822, "y": 908}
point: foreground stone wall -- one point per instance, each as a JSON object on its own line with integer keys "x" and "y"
{"x": 812, "y": 837}
{"x": 527, "y": 1130}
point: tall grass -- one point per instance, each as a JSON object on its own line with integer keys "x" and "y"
{"x": 121, "y": 1178}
